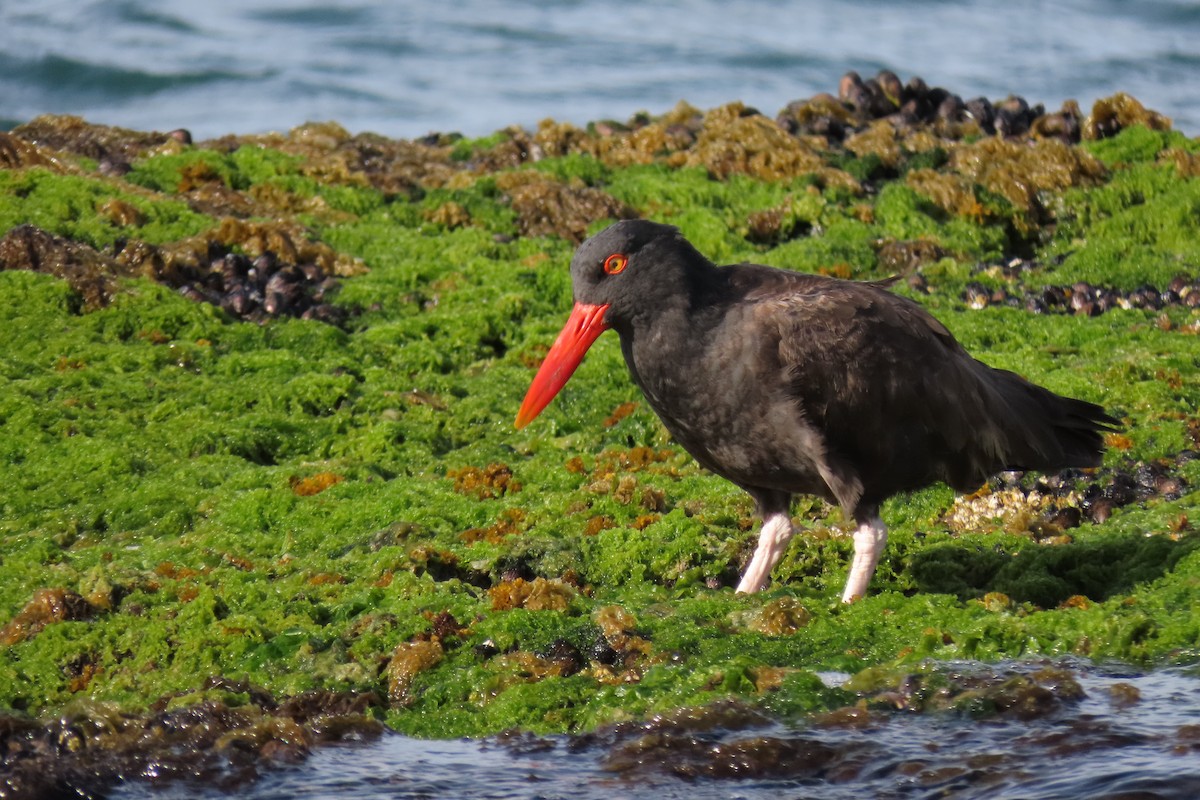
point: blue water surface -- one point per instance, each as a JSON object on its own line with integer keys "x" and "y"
{"x": 404, "y": 69}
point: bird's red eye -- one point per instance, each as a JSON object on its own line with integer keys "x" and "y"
{"x": 615, "y": 263}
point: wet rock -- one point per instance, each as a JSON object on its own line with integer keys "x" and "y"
{"x": 860, "y": 102}
{"x": 1113, "y": 114}
{"x": 1124, "y": 695}
{"x": 733, "y": 141}
{"x": 1065, "y": 518}
{"x": 981, "y": 110}
{"x": 547, "y": 207}
{"x": 538, "y": 594}
{"x": 781, "y": 617}
{"x": 1065, "y": 124}
{"x": 729, "y": 740}
{"x": 94, "y": 746}
{"x": 91, "y": 274}
{"x": 951, "y": 109}
{"x": 72, "y": 134}
{"x": 565, "y": 656}
{"x": 1100, "y": 510}
{"x": 494, "y": 480}
{"x": 46, "y": 607}
{"x": 15, "y": 153}
{"x": 904, "y": 257}
{"x": 690, "y": 758}
{"x": 821, "y": 115}
{"x": 407, "y": 661}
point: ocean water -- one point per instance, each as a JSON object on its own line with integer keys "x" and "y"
{"x": 404, "y": 69}
{"x": 1143, "y": 749}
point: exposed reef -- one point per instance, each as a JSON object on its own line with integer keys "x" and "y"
{"x": 262, "y": 489}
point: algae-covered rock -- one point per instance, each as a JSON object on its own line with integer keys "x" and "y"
{"x": 1112, "y": 114}
{"x": 16, "y": 152}
{"x": 46, "y": 607}
{"x": 536, "y": 595}
{"x": 108, "y": 144}
{"x": 409, "y": 659}
{"x": 253, "y": 519}
{"x": 91, "y": 274}
{"x": 546, "y": 207}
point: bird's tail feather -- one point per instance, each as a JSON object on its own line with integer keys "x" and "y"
{"x": 1053, "y": 431}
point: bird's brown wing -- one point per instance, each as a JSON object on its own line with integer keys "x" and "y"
{"x": 899, "y": 401}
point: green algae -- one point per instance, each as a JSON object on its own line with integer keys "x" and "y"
{"x": 239, "y": 169}
{"x": 1138, "y": 144}
{"x": 1139, "y": 228}
{"x": 154, "y": 452}
{"x": 79, "y": 208}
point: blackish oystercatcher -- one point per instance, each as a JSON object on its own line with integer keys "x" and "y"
{"x": 787, "y": 383}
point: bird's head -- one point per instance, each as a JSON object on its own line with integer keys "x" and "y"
{"x": 630, "y": 269}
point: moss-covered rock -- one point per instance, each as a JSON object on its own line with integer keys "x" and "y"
{"x": 200, "y": 496}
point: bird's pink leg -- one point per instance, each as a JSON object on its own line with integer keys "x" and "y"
{"x": 869, "y": 540}
{"x": 772, "y": 542}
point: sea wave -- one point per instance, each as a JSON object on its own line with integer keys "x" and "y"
{"x": 405, "y": 69}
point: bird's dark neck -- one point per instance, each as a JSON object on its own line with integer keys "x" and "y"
{"x": 665, "y": 344}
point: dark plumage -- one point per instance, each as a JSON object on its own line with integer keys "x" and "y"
{"x": 789, "y": 383}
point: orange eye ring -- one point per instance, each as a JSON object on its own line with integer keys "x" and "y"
{"x": 615, "y": 264}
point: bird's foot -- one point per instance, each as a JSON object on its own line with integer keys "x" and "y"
{"x": 772, "y": 542}
{"x": 869, "y": 540}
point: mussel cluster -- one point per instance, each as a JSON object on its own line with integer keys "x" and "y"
{"x": 1125, "y": 487}
{"x": 1085, "y": 299}
{"x": 264, "y": 287}
{"x": 913, "y": 104}
{"x": 1093, "y": 496}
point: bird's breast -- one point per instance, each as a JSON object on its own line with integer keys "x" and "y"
{"x": 724, "y": 400}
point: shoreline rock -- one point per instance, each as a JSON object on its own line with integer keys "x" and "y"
{"x": 284, "y": 505}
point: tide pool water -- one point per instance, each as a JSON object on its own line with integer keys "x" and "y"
{"x": 1131, "y": 736}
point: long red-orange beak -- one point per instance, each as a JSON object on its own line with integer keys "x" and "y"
{"x": 583, "y": 326}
